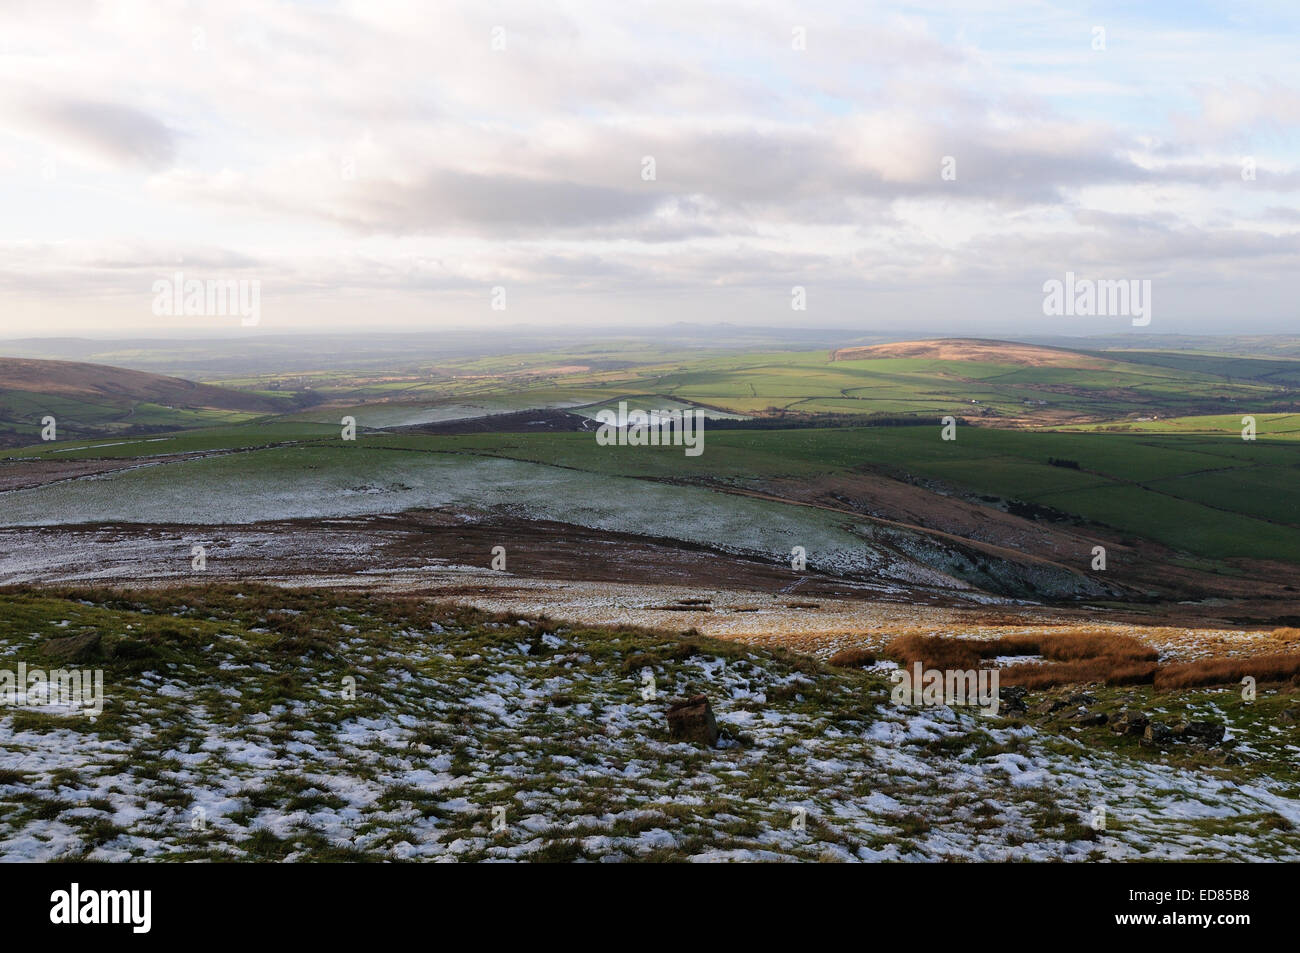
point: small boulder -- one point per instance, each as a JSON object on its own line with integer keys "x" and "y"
{"x": 1089, "y": 719}
{"x": 73, "y": 648}
{"x": 1012, "y": 698}
{"x": 1130, "y": 723}
{"x": 1204, "y": 732}
{"x": 691, "y": 719}
{"x": 1157, "y": 733}
{"x": 1076, "y": 700}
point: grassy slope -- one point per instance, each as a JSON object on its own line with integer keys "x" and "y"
{"x": 229, "y": 701}
{"x": 1207, "y": 493}
{"x": 93, "y": 399}
{"x": 1210, "y": 495}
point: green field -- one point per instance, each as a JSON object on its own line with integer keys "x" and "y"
{"x": 1190, "y": 481}
{"x": 1081, "y": 387}
{"x": 1217, "y": 497}
{"x": 1209, "y": 495}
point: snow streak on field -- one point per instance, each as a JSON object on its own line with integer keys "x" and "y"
{"x": 290, "y": 483}
{"x": 229, "y": 733}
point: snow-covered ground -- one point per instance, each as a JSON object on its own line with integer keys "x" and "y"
{"x": 481, "y": 740}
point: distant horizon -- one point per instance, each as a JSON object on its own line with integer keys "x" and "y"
{"x": 243, "y": 334}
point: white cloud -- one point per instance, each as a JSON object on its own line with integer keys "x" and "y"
{"x": 381, "y": 148}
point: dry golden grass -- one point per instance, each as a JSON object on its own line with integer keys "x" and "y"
{"x": 935, "y": 651}
{"x": 1229, "y": 671}
{"x": 1103, "y": 669}
{"x": 1079, "y": 658}
{"x": 1287, "y": 635}
{"x": 1076, "y": 657}
{"x": 852, "y": 658}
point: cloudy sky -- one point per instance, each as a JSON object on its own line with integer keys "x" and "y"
{"x": 387, "y": 165}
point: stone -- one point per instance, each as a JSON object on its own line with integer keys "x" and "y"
{"x": 1088, "y": 719}
{"x": 73, "y": 648}
{"x": 1130, "y": 723}
{"x": 1012, "y": 698}
{"x": 1204, "y": 732}
{"x": 1158, "y": 733}
{"x": 1077, "y": 700}
{"x": 691, "y": 719}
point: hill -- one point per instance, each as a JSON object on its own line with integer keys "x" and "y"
{"x": 101, "y": 382}
{"x": 88, "y": 400}
{"x": 973, "y": 349}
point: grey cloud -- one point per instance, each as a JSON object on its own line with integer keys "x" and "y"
{"x": 121, "y": 135}
{"x": 445, "y": 200}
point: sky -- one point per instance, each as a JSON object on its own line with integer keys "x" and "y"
{"x": 378, "y": 165}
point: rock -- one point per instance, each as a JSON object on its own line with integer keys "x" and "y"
{"x": 1130, "y": 723}
{"x": 1203, "y": 732}
{"x": 1077, "y": 700}
{"x": 73, "y": 648}
{"x": 1012, "y": 698}
{"x": 1290, "y": 715}
{"x": 691, "y": 719}
{"x": 1088, "y": 719}
{"x": 1158, "y": 733}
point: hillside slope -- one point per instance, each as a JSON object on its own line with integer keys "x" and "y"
{"x": 72, "y": 379}
{"x": 95, "y": 399}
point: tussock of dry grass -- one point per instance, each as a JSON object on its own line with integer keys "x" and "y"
{"x": 935, "y": 651}
{"x": 1228, "y": 671}
{"x": 852, "y": 658}
{"x": 1074, "y": 646}
{"x": 1104, "y": 669}
{"x": 1076, "y": 657}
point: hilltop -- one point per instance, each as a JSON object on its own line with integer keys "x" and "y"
{"x": 972, "y": 349}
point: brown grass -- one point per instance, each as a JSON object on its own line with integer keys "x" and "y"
{"x": 1076, "y": 657}
{"x": 935, "y": 651}
{"x": 1103, "y": 669}
{"x": 852, "y": 658}
{"x": 1229, "y": 671}
{"x": 1079, "y": 658}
